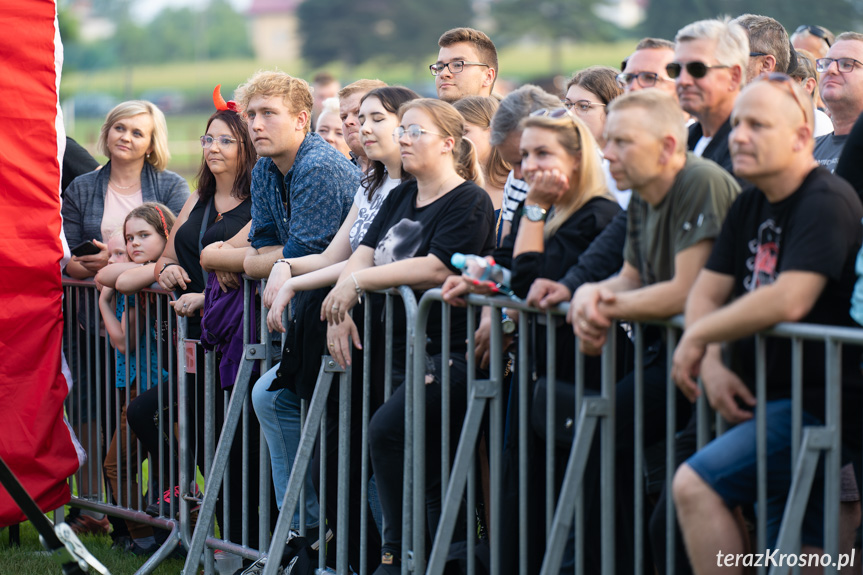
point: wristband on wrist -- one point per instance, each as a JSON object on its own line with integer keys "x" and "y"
{"x": 358, "y": 288}
{"x": 165, "y": 265}
{"x": 283, "y": 261}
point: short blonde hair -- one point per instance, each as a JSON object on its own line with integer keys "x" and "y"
{"x": 363, "y": 86}
{"x": 578, "y": 142}
{"x": 160, "y": 155}
{"x": 328, "y": 106}
{"x": 664, "y": 113}
{"x": 295, "y": 92}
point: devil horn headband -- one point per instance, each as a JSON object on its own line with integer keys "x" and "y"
{"x": 220, "y": 103}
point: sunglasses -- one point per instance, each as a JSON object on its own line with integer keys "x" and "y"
{"x": 556, "y": 114}
{"x": 818, "y": 31}
{"x": 780, "y": 79}
{"x": 695, "y": 69}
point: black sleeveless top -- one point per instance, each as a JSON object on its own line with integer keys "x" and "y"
{"x": 186, "y": 236}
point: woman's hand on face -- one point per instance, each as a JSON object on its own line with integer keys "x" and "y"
{"x": 188, "y": 304}
{"x": 227, "y": 280}
{"x": 274, "y": 316}
{"x": 547, "y": 187}
{"x": 95, "y": 262}
{"x": 338, "y": 344}
{"x": 174, "y": 277}
{"x": 339, "y": 302}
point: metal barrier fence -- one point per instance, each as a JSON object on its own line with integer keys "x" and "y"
{"x": 95, "y": 404}
{"x": 91, "y": 358}
{"x": 597, "y": 412}
{"x": 237, "y": 414}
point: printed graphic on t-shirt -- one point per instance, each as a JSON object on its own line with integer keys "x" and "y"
{"x": 401, "y": 241}
{"x": 766, "y": 250}
{"x": 365, "y": 217}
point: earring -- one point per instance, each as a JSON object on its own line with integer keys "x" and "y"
{"x": 148, "y": 155}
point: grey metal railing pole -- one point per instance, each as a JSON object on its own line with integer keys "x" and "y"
{"x": 638, "y": 439}
{"x": 523, "y": 402}
{"x": 670, "y": 427}
{"x": 761, "y": 444}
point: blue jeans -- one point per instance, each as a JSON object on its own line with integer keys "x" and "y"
{"x": 279, "y": 415}
{"x": 729, "y": 465}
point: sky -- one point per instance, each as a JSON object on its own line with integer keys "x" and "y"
{"x": 147, "y": 9}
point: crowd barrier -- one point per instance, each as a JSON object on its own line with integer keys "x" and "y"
{"x": 94, "y": 409}
{"x": 477, "y": 464}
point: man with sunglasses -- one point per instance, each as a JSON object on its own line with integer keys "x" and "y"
{"x": 710, "y": 61}
{"x": 841, "y": 90}
{"x": 786, "y": 253}
{"x": 769, "y": 48}
{"x": 466, "y": 65}
{"x": 814, "y": 39}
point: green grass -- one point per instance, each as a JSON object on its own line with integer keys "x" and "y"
{"x": 521, "y": 62}
{"x": 29, "y": 559}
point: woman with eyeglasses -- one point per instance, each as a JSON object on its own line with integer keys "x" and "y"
{"x": 218, "y": 213}
{"x": 588, "y": 93}
{"x": 419, "y": 227}
{"x": 134, "y": 137}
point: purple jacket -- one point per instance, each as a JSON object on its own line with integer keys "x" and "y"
{"x": 222, "y": 327}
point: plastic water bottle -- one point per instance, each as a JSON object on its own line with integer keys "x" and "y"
{"x": 481, "y": 270}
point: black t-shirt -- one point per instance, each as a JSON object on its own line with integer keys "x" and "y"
{"x": 460, "y": 221}
{"x": 186, "y": 236}
{"x": 562, "y": 250}
{"x": 816, "y": 229}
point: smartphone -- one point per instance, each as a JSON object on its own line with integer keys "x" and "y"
{"x": 86, "y": 248}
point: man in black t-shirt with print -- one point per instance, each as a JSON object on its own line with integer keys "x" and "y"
{"x": 785, "y": 254}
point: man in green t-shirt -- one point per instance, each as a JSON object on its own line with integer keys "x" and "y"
{"x": 676, "y": 212}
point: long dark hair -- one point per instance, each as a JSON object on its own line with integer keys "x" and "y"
{"x": 390, "y": 97}
{"x": 246, "y": 159}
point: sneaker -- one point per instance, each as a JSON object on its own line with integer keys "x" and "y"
{"x": 162, "y": 507}
{"x": 136, "y": 549}
{"x": 390, "y": 565}
{"x": 122, "y": 543}
{"x": 257, "y": 568}
{"x": 327, "y": 538}
{"x": 84, "y": 524}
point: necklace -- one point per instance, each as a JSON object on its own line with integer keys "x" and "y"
{"x": 436, "y": 194}
{"x": 119, "y": 187}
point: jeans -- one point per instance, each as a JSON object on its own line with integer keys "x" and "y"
{"x": 279, "y": 415}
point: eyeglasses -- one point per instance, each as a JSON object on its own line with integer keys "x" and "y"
{"x": 224, "y": 141}
{"x": 455, "y": 67}
{"x": 645, "y": 79}
{"x": 580, "y": 105}
{"x": 557, "y": 113}
{"x": 818, "y": 31}
{"x": 413, "y": 133}
{"x": 781, "y": 79}
{"x": 695, "y": 69}
{"x": 845, "y": 65}
{"x": 756, "y": 54}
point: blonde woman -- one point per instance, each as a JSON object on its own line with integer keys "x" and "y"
{"x": 134, "y": 137}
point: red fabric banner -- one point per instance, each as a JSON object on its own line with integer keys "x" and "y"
{"x": 34, "y": 439}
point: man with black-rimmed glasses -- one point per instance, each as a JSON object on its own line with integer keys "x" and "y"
{"x": 841, "y": 89}
{"x": 466, "y": 65}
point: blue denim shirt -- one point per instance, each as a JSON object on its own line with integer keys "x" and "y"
{"x": 320, "y": 189}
